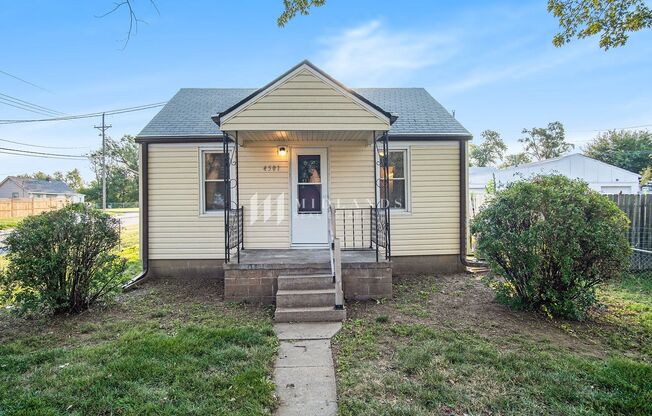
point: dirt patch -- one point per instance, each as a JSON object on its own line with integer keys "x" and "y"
{"x": 464, "y": 302}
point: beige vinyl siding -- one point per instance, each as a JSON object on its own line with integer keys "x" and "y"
{"x": 305, "y": 102}
{"x": 352, "y": 186}
{"x": 260, "y": 191}
{"x": 431, "y": 227}
{"x": 178, "y": 231}
{"x": 176, "y": 228}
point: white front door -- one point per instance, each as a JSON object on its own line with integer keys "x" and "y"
{"x": 309, "y": 197}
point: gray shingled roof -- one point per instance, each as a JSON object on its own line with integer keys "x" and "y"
{"x": 42, "y": 186}
{"x": 189, "y": 112}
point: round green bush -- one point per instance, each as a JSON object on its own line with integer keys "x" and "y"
{"x": 549, "y": 242}
{"x": 62, "y": 261}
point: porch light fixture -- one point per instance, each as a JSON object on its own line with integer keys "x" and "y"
{"x": 282, "y": 151}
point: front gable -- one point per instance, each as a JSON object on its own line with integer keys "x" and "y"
{"x": 304, "y": 99}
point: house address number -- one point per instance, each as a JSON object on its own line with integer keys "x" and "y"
{"x": 272, "y": 168}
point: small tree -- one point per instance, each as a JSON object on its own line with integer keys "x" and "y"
{"x": 546, "y": 142}
{"x": 62, "y": 261}
{"x": 552, "y": 240}
{"x": 490, "y": 151}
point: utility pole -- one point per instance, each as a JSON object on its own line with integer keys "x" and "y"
{"x": 103, "y": 128}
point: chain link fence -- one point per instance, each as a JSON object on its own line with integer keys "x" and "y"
{"x": 641, "y": 240}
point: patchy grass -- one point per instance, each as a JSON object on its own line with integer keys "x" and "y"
{"x": 163, "y": 349}
{"x": 444, "y": 346}
{"x": 6, "y": 223}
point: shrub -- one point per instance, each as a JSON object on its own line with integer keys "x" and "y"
{"x": 552, "y": 240}
{"x": 62, "y": 261}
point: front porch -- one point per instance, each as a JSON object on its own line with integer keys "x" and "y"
{"x": 256, "y": 277}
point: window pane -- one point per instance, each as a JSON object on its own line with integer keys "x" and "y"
{"x": 214, "y": 165}
{"x": 396, "y": 194}
{"x": 309, "y": 198}
{"x": 309, "y": 168}
{"x": 396, "y": 165}
{"x": 215, "y": 196}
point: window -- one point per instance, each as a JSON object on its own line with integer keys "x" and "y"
{"x": 397, "y": 195}
{"x": 214, "y": 187}
{"x": 309, "y": 184}
{"x": 14, "y": 195}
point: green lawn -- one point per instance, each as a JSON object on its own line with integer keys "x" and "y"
{"x": 6, "y": 223}
{"x": 163, "y": 349}
{"x": 443, "y": 346}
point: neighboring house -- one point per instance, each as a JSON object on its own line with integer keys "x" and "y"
{"x": 600, "y": 176}
{"x": 15, "y": 187}
{"x": 296, "y": 146}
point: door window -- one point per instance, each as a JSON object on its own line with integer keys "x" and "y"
{"x": 309, "y": 186}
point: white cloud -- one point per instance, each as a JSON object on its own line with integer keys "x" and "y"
{"x": 485, "y": 75}
{"x": 372, "y": 55}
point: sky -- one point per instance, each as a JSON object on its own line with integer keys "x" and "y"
{"x": 492, "y": 63}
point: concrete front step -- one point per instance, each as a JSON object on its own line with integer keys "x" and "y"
{"x": 309, "y": 314}
{"x": 305, "y": 282}
{"x": 303, "y": 298}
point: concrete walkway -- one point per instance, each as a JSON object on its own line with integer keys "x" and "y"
{"x": 304, "y": 373}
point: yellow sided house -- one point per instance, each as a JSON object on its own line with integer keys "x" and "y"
{"x": 304, "y": 192}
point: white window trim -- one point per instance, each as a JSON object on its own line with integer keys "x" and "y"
{"x": 202, "y": 188}
{"x": 407, "y": 168}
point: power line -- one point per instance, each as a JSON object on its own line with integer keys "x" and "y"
{"x": 24, "y": 81}
{"x": 42, "y": 156}
{"x": 40, "y": 146}
{"x": 614, "y": 128}
{"x": 42, "y": 153}
{"x": 88, "y": 115}
{"x": 20, "y": 107}
{"x": 30, "y": 104}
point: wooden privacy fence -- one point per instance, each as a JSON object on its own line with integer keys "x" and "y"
{"x": 24, "y": 207}
{"x": 638, "y": 209}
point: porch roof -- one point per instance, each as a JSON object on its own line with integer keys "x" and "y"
{"x": 188, "y": 113}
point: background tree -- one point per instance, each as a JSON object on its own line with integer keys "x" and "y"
{"x": 516, "y": 160}
{"x": 41, "y": 176}
{"x": 71, "y": 178}
{"x": 630, "y": 150}
{"x": 490, "y": 151}
{"x": 545, "y": 143}
{"x": 646, "y": 175}
{"x": 292, "y": 7}
{"x": 122, "y": 171}
{"x": 612, "y": 20}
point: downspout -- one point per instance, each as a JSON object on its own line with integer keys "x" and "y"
{"x": 144, "y": 218}
{"x": 463, "y": 206}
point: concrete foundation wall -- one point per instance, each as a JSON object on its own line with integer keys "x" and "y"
{"x": 406, "y": 265}
{"x": 186, "y": 269}
{"x": 258, "y": 283}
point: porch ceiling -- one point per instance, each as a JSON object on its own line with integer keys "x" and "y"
{"x": 290, "y": 136}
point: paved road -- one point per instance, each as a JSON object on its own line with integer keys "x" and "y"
{"x": 3, "y": 234}
{"x": 129, "y": 218}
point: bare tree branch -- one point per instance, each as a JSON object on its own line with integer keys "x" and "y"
{"x": 133, "y": 18}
